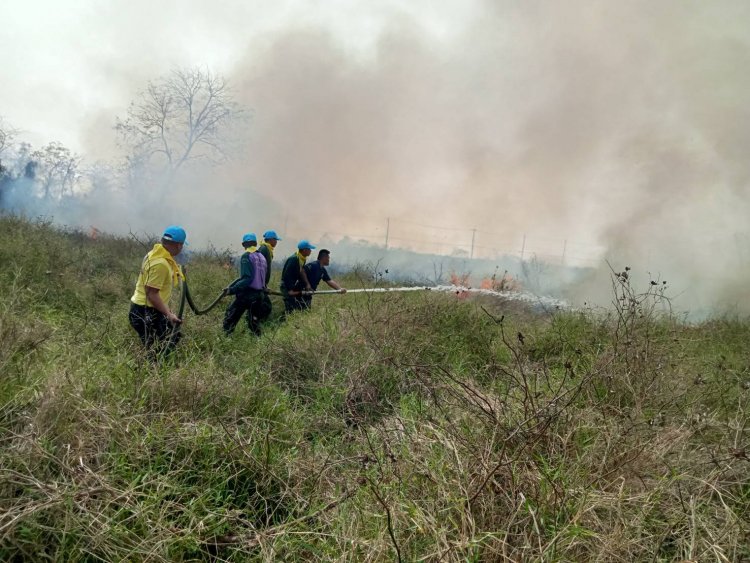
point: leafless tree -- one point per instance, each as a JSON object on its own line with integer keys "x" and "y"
{"x": 6, "y": 135}
{"x": 532, "y": 272}
{"x": 103, "y": 175}
{"x": 437, "y": 268}
{"x": 178, "y": 118}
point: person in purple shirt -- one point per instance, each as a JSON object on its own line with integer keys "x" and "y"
{"x": 250, "y": 296}
{"x": 316, "y": 272}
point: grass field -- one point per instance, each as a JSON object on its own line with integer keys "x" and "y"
{"x": 373, "y": 428}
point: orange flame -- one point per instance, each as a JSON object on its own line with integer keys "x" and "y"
{"x": 461, "y": 280}
{"x": 506, "y": 283}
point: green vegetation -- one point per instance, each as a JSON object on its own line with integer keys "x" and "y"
{"x": 375, "y": 427}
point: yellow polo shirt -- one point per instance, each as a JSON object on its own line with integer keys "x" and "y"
{"x": 157, "y": 270}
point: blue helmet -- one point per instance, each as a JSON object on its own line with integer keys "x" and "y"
{"x": 271, "y": 234}
{"x": 249, "y": 237}
{"x": 175, "y": 233}
{"x": 304, "y": 244}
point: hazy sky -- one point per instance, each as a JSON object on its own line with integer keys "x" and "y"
{"x": 64, "y": 62}
{"x": 622, "y": 128}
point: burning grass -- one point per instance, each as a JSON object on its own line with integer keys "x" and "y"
{"x": 376, "y": 427}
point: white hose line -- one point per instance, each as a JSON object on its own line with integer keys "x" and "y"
{"x": 526, "y": 297}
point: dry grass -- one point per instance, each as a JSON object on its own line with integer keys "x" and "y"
{"x": 374, "y": 428}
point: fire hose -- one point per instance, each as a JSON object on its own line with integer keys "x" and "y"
{"x": 186, "y": 297}
{"x": 189, "y": 298}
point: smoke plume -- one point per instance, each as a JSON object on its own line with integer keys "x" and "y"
{"x": 613, "y": 130}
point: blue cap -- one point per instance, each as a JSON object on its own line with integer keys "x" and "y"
{"x": 271, "y": 234}
{"x": 175, "y": 233}
{"x": 305, "y": 245}
{"x": 249, "y": 237}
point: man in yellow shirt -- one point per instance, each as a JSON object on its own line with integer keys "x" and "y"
{"x": 150, "y": 314}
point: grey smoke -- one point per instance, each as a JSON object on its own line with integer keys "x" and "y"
{"x": 608, "y": 124}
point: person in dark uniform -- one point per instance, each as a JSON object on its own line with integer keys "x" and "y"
{"x": 266, "y": 248}
{"x": 270, "y": 240}
{"x": 316, "y": 271}
{"x": 250, "y": 296}
{"x": 293, "y": 278}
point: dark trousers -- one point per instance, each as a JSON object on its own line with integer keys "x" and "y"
{"x": 256, "y": 305}
{"x": 292, "y": 304}
{"x": 158, "y": 335}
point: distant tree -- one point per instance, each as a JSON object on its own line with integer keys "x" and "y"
{"x": 55, "y": 168}
{"x": 6, "y": 135}
{"x": 24, "y": 165}
{"x": 103, "y": 175}
{"x": 52, "y": 171}
{"x": 533, "y": 272}
{"x": 6, "y": 138}
{"x": 179, "y": 118}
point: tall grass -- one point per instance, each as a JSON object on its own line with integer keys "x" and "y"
{"x": 375, "y": 427}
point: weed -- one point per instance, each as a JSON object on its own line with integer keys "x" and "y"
{"x": 373, "y": 427}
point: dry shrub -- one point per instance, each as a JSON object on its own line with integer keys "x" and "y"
{"x": 395, "y": 427}
{"x": 19, "y": 341}
{"x": 593, "y": 461}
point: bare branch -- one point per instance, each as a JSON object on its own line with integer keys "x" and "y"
{"x": 7, "y": 134}
{"x": 181, "y": 117}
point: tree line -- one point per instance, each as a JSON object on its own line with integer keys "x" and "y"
{"x": 186, "y": 117}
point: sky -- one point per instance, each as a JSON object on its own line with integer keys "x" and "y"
{"x": 581, "y": 129}
{"x": 64, "y": 62}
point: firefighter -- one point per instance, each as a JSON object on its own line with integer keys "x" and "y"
{"x": 150, "y": 315}
{"x": 250, "y": 296}
{"x": 293, "y": 278}
{"x": 270, "y": 240}
{"x": 316, "y": 271}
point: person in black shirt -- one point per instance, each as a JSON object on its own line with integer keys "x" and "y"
{"x": 316, "y": 271}
{"x": 293, "y": 278}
